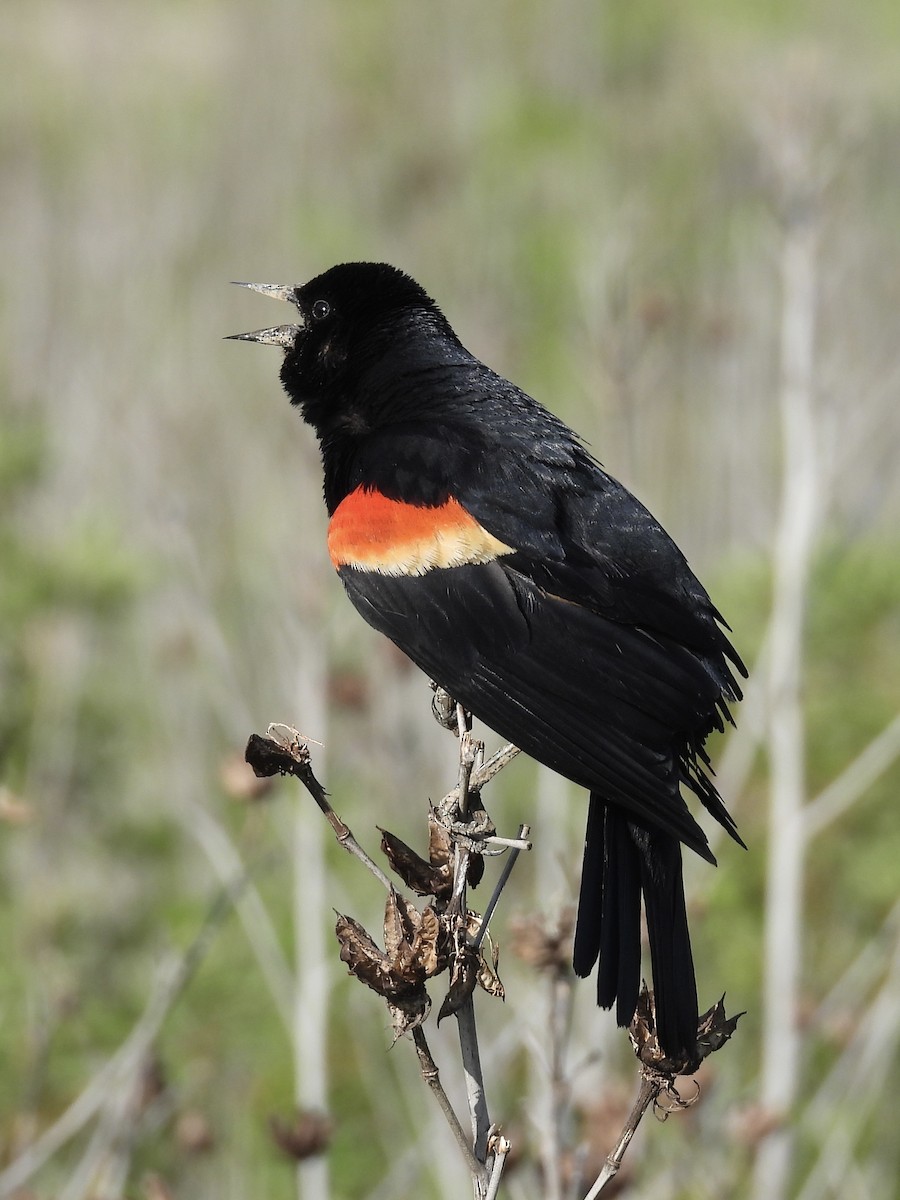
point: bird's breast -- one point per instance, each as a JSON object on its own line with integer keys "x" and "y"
{"x": 372, "y": 532}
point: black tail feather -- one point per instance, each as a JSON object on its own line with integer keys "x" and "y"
{"x": 619, "y": 974}
{"x": 589, "y": 924}
{"x": 674, "y": 984}
{"x": 622, "y": 861}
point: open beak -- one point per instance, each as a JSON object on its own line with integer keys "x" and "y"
{"x": 277, "y": 335}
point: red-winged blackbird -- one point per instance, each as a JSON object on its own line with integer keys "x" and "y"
{"x": 473, "y": 528}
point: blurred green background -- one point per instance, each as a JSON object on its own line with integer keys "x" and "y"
{"x": 604, "y": 198}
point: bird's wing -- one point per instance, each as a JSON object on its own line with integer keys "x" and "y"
{"x": 578, "y": 533}
{"x": 581, "y": 535}
{"x": 601, "y": 703}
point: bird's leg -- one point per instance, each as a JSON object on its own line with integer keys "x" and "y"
{"x": 470, "y": 752}
{"x": 443, "y": 707}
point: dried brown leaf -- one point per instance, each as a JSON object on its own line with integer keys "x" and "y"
{"x": 394, "y": 931}
{"x": 402, "y": 929}
{"x": 488, "y": 977}
{"x": 413, "y": 952}
{"x": 408, "y": 1012}
{"x": 463, "y": 978}
{"x": 265, "y": 757}
{"x": 714, "y": 1029}
{"x": 440, "y": 847}
{"x": 475, "y": 870}
{"x": 420, "y": 876}
{"x": 426, "y": 945}
{"x": 363, "y": 957}
{"x": 410, "y": 917}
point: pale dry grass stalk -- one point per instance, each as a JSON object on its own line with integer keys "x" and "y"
{"x": 799, "y": 170}
{"x": 311, "y": 914}
{"x": 795, "y": 540}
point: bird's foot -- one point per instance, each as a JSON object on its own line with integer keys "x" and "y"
{"x": 472, "y": 827}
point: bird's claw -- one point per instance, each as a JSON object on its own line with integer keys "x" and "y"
{"x": 467, "y": 829}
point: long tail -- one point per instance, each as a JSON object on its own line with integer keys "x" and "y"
{"x": 622, "y": 862}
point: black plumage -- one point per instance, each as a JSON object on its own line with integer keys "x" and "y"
{"x": 473, "y": 528}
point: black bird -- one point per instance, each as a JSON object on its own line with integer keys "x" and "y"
{"x": 474, "y": 529}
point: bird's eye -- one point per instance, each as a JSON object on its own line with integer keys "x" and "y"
{"x": 320, "y": 310}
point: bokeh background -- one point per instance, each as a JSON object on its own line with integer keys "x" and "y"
{"x": 673, "y": 221}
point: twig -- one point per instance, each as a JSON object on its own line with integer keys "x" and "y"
{"x": 311, "y": 1016}
{"x": 519, "y": 844}
{"x": 431, "y": 1075}
{"x": 560, "y": 1013}
{"x": 797, "y": 528}
{"x": 288, "y": 754}
{"x": 473, "y": 775}
{"x": 500, "y": 1147}
{"x": 651, "y": 1086}
{"x": 506, "y": 843}
{"x": 468, "y": 752}
{"x": 465, "y": 1014}
{"x": 483, "y": 775}
{"x": 474, "y": 1076}
{"x": 285, "y": 751}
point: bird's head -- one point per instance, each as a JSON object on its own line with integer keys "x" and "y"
{"x": 348, "y": 320}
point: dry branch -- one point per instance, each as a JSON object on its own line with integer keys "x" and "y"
{"x": 286, "y": 752}
{"x": 446, "y": 935}
{"x": 421, "y": 945}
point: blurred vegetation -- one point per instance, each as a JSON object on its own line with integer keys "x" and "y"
{"x": 589, "y": 190}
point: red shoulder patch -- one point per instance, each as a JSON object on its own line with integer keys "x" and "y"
{"x": 371, "y": 532}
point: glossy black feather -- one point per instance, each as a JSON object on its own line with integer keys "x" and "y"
{"x": 592, "y": 645}
{"x": 602, "y": 703}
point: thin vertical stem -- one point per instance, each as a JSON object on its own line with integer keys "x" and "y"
{"x": 432, "y": 1077}
{"x": 310, "y": 1010}
{"x": 649, "y": 1090}
{"x": 474, "y": 1076}
{"x": 465, "y": 1015}
{"x": 555, "y": 1100}
{"x": 794, "y": 543}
